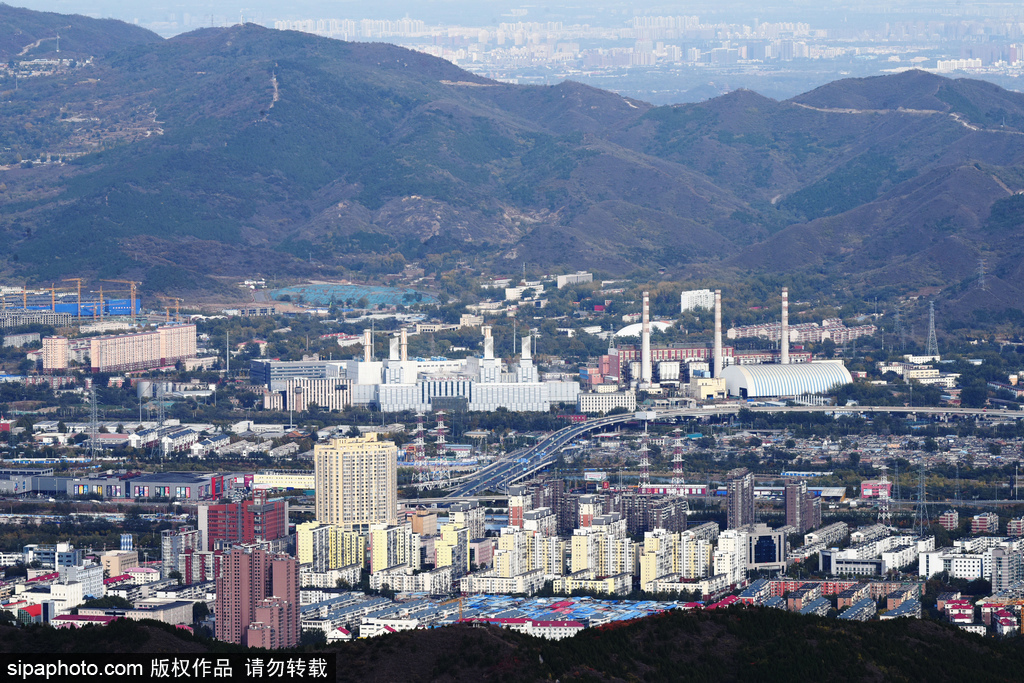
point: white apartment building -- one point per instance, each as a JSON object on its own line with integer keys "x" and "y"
{"x": 332, "y": 393}
{"x": 696, "y": 298}
{"x": 602, "y": 402}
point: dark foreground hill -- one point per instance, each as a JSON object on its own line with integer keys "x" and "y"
{"x": 246, "y": 150}
{"x": 736, "y": 645}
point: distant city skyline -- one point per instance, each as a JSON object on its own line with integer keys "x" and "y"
{"x": 656, "y": 52}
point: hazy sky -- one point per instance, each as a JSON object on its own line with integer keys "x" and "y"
{"x": 490, "y": 12}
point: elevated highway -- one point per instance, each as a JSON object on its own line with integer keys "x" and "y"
{"x": 526, "y": 462}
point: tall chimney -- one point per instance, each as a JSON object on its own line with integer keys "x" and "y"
{"x": 405, "y": 345}
{"x": 784, "y": 357}
{"x": 488, "y": 343}
{"x": 393, "y": 348}
{"x": 718, "y": 333}
{"x": 645, "y": 342}
{"x": 367, "y": 345}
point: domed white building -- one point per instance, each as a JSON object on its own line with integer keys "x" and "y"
{"x": 636, "y": 329}
{"x": 776, "y": 380}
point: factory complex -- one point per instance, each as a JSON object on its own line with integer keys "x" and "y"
{"x": 486, "y": 383}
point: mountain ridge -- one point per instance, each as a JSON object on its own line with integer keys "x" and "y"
{"x": 292, "y": 154}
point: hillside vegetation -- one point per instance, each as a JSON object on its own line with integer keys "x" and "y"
{"x": 733, "y": 645}
{"x": 241, "y": 149}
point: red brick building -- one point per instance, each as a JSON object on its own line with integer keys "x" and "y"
{"x": 248, "y": 521}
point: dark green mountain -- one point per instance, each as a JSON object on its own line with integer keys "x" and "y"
{"x": 25, "y": 34}
{"x": 754, "y": 645}
{"x": 242, "y": 150}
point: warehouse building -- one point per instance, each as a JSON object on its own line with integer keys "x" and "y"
{"x": 762, "y": 381}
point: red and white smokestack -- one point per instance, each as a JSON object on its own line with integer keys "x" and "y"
{"x": 367, "y": 345}
{"x": 784, "y": 357}
{"x": 405, "y": 345}
{"x": 645, "y": 342}
{"x": 718, "y": 333}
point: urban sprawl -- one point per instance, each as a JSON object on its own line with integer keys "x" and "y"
{"x": 381, "y": 490}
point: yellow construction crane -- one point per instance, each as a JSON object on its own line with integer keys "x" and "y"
{"x": 458, "y": 600}
{"x": 79, "y": 281}
{"x": 131, "y": 301}
{"x": 177, "y": 308}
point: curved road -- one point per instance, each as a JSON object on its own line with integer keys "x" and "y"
{"x": 524, "y": 463}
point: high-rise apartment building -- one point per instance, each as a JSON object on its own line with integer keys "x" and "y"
{"x": 136, "y": 351}
{"x": 258, "y": 599}
{"x": 452, "y": 549}
{"x": 247, "y": 521}
{"x": 391, "y": 546}
{"x": 356, "y": 482}
{"x": 803, "y": 508}
{"x": 313, "y": 545}
{"x": 740, "y": 490}
{"x": 173, "y": 542}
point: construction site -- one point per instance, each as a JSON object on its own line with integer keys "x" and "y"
{"x": 100, "y": 306}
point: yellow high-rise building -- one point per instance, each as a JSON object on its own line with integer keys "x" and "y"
{"x": 452, "y": 549}
{"x": 356, "y": 482}
{"x": 347, "y": 548}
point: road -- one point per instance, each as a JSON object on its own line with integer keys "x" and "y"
{"x": 526, "y": 462}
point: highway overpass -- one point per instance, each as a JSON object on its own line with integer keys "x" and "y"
{"x": 527, "y": 462}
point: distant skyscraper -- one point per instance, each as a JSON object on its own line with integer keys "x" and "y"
{"x": 356, "y": 482}
{"x": 803, "y": 508}
{"x": 740, "y": 502}
{"x": 258, "y": 599}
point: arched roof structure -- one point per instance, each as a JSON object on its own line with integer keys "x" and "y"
{"x": 761, "y": 381}
{"x": 635, "y": 329}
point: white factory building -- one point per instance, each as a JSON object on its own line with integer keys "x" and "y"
{"x": 478, "y": 383}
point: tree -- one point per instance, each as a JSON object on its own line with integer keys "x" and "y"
{"x": 108, "y": 601}
{"x": 175, "y": 574}
{"x": 974, "y": 396}
{"x": 200, "y": 610}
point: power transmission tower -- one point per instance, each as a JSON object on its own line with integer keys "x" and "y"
{"x": 899, "y": 493}
{"x": 921, "y": 523}
{"x": 981, "y": 275}
{"x": 677, "y": 458}
{"x": 933, "y": 342}
{"x": 94, "y": 419}
{"x": 440, "y": 441}
{"x": 884, "y": 513}
{"x": 419, "y": 452}
{"x": 161, "y": 417}
{"x": 645, "y": 462}
{"x": 901, "y": 331}
{"x": 958, "y": 498}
